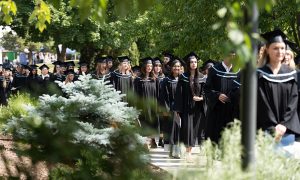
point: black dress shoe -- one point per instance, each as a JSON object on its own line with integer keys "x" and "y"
{"x": 161, "y": 142}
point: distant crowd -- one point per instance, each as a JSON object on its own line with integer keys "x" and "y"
{"x": 198, "y": 102}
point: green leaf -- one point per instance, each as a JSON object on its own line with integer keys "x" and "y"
{"x": 236, "y": 36}
{"x": 55, "y": 3}
{"x": 222, "y": 12}
{"x": 7, "y": 19}
{"x": 13, "y": 7}
{"x": 268, "y": 7}
{"x": 216, "y": 26}
{"x": 247, "y": 41}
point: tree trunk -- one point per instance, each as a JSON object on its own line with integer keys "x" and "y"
{"x": 87, "y": 54}
{"x": 30, "y": 57}
{"x": 61, "y": 55}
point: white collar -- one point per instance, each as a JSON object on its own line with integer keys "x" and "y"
{"x": 226, "y": 67}
{"x": 44, "y": 76}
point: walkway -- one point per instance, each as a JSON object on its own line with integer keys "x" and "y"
{"x": 160, "y": 158}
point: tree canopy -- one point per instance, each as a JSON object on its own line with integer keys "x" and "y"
{"x": 146, "y": 28}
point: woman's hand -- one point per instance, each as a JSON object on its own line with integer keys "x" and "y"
{"x": 223, "y": 98}
{"x": 279, "y": 132}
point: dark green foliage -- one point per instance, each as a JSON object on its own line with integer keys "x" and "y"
{"x": 91, "y": 132}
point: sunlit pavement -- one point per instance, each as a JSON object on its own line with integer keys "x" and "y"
{"x": 160, "y": 157}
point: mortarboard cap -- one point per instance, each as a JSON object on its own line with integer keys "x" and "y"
{"x": 63, "y": 64}
{"x": 207, "y": 64}
{"x": 24, "y": 66}
{"x": 167, "y": 54}
{"x": 157, "y": 60}
{"x": 7, "y": 66}
{"x": 136, "y": 68}
{"x": 33, "y": 66}
{"x": 292, "y": 46}
{"x": 70, "y": 63}
{"x": 123, "y": 59}
{"x": 109, "y": 58}
{"x": 57, "y": 63}
{"x": 175, "y": 59}
{"x": 83, "y": 64}
{"x": 101, "y": 59}
{"x": 274, "y": 36}
{"x": 189, "y": 56}
{"x": 147, "y": 60}
{"x": 43, "y": 66}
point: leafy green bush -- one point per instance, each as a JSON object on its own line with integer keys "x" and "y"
{"x": 15, "y": 107}
{"x": 223, "y": 161}
{"x": 90, "y": 133}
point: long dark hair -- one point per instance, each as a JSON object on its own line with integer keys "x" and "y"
{"x": 143, "y": 72}
{"x": 194, "y": 80}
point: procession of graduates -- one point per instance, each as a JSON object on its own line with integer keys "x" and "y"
{"x": 191, "y": 103}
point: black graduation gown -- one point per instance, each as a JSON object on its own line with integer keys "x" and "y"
{"x": 298, "y": 83}
{"x": 277, "y": 99}
{"x": 220, "y": 114}
{"x": 19, "y": 82}
{"x": 43, "y": 84}
{"x": 167, "y": 96}
{"x": 122, "y": 83}
{"x": 106, "y": 77}
{"x": 33, "y": 84}
{"x": 146, "y": 89}
{"x": 3, "y": 91}
{"x": 160, "y": 118}
{"x": 57, "y": 77}
{"x": 191, "y": 112}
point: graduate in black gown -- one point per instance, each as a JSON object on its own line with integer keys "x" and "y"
{"x": 110, "y": 63}
{"x": 159, "y": 76}
{"x": 145, "y": 87}
{"x": 101, "y": 71}
{"x": 58, "y": 73}
{"x": 189, "y": 102}
{"x": 297, "y": 63}
{"x": 63, "y": 68}
{"x": 44, "y": 80}
{"x": 6, "y": 83}
{"x": 122, "y": 78}
{"x": 167, "y": 56}
{"x": 136, "y": 71}
{"x": 170, "y": 128}
{"x": 277, "y": 95}
{"x": 32, "y": 82}
{"x": 19, "y": 80}
{"x": 83, "y": 68}
{"x": 221, "y": 91}
{"x": 70, "y": 77}
{"x": 204, "y": 69}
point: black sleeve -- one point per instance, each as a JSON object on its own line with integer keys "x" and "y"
{"x": 164, "y": 95}
{"x": 212, "y": 95}
{"x": 178, "y": 101}
{"x": 291, "y": 108}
